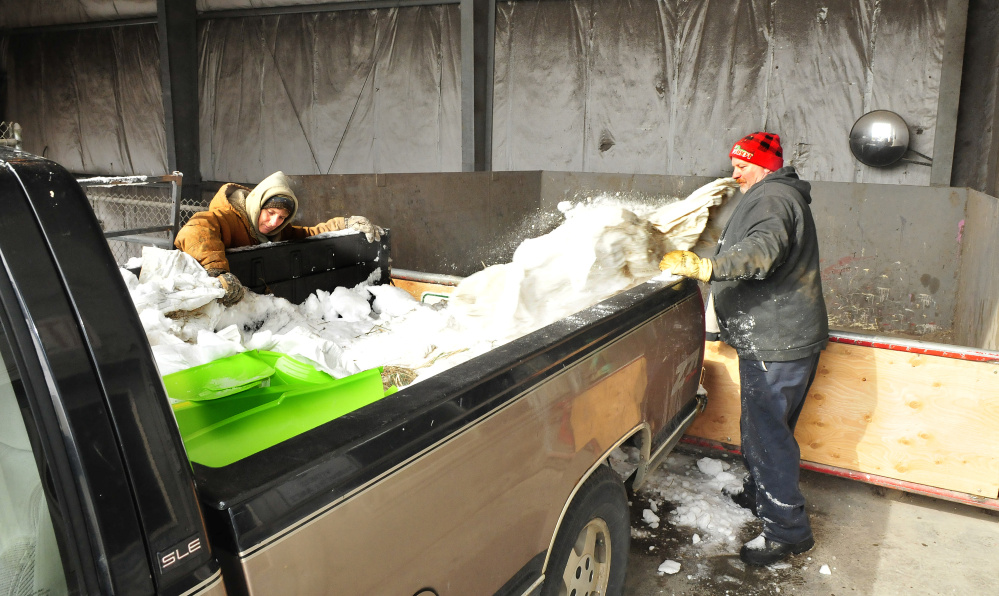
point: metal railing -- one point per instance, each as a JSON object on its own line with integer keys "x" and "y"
{"x": 137, "y": 211}
{"x": 10, "y": 135}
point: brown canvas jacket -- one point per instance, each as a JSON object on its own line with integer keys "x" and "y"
{"x": 208, "y": 234}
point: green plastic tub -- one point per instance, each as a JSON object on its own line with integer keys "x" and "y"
{"x": 240, "y": 405}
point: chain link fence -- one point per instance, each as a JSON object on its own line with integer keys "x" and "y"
{"x": 137, "y": 211}
{"x": 10, "y": 134}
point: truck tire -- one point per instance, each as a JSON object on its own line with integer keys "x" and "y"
{"x": 590, "y": 554}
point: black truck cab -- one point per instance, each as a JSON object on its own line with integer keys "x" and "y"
{"x": 82, "y": 400}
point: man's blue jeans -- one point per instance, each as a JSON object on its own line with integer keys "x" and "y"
{"x": 773, "y": 394}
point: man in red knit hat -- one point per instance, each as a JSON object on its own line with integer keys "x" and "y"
{"x": 767, "y": 294}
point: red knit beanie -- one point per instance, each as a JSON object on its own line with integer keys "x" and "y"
{"x": 760, "y": 148}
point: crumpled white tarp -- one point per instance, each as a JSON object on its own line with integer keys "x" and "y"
{"x": 338, "y": 332}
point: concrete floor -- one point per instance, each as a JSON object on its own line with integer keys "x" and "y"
{"x": 875, "y": 541}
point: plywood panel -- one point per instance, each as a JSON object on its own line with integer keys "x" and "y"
{"x": 917, "y": 418}
{"x": 423, "y": 291}
{"x": 720, "y": 419}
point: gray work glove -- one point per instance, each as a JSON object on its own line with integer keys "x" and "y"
{"x": 362, "y": 224}
{"x": 234, "y": 291}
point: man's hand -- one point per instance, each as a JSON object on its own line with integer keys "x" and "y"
{"x": 361, "y": 224}
{"x": 686, "y": 264}
{"x": 234, "y": 291}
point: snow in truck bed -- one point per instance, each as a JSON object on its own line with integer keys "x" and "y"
{"x": 605, "y": 246}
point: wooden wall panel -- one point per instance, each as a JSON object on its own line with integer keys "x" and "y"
{"x": 923, "y": 419}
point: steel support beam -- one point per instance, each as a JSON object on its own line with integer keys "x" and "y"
{"x": 977, "y": 158}
{"x": 178, "y": 33}
{"x": 324, "y": 7}
{"x": 478, "y": 27}
{"x": 950, "y": 93}
{"x": 263, "y": 11}
{"x": 79, "y": 26}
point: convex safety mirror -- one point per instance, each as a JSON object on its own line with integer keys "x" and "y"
{"x": 881, "y": 138}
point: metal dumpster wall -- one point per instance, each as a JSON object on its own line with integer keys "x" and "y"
{"x": 890, "y": 256}
{"x": 459, "y": 222}
{"x": 900, "y": 260}
{"x": 453, "y": 223}
{"x": 976, "y": 320}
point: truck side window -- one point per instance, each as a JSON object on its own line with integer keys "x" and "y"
{"x": 29, "y": 556}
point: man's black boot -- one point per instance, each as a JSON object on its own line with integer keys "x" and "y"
{"x": 761, "y": 551}
{"x": 746, "y": 498}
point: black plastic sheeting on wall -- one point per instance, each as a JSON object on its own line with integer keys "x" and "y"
{"x": 667, "y": 87}
{"x": 976, "y": 154}
{"x": 36, "y": 13}
{"x": 91, "y": 100}
{"x": 341, "y": 92}
{"x": 628, "y": 86}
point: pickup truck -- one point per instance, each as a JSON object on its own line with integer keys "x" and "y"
{"x": 488, "y": 478}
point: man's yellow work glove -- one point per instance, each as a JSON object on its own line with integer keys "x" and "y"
{"x": 686, "y": 264}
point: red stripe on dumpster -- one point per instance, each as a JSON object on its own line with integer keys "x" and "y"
{"x": 885, "y": 344}
{"x": 909, "y": 487}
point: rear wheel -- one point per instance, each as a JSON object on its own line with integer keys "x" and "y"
{"x": 590, "y": 554}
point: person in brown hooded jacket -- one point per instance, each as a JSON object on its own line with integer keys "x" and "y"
{"x": 238, "y": 216}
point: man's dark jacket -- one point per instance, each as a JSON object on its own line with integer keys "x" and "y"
{"x": 765, "y": 278}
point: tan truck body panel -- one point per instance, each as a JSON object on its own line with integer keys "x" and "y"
{"x": 510, "y": 477}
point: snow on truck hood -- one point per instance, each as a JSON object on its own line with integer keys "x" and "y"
{"x": 605, "y": 246}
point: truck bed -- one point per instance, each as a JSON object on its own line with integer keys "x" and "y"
{"x": 459, "y": 483}
{"x": 256, "y": 500}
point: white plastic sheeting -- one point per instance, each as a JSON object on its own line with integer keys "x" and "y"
{"x": 629, "y": 86}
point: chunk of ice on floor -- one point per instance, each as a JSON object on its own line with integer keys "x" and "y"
{"x": 709, "y": 466}
{"x": 824, "y": 570}
{"x": 669, "y": 566}
{"x": 725, "y": 477}
{"x": 650, "y": 518}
